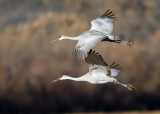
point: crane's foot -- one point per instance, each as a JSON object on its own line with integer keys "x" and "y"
{"x": 130, "y": 87}
{"x": 130, "y": 44}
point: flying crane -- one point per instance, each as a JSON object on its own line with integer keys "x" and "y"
{"x": 99, "y": 72}
{"x": 101, "y": 29}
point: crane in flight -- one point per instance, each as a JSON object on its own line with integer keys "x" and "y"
{"x": 99, "y": 71}
{"x": 101, "y": 29}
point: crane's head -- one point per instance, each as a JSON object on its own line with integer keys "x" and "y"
{"x": 62, "y": 37}
{"x": 56, "y": 40}
{"x": 63, "y": 77}
{"x": 58, "y": 79}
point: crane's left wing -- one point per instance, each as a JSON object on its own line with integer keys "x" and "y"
{"x": 94, "y": 58}
{"x": 104, "y": 23}
{"x": 85, "y": 45}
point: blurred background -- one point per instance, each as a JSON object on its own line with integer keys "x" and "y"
{"x": 29, "y": 62}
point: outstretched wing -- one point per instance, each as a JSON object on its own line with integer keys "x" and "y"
{"x": 104, "y": 23}
{"x": 96, "y": 62}
{"x": 84, "y": 46}
{"x": 94, "y": 58}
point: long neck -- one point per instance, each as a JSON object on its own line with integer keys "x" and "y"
{"x": 82, "y": 78}
{"x": 71, "y": 38}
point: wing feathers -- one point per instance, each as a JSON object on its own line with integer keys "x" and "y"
{"x": 104, "y": 23}
{"x": 112, "y": 64}
{"x": 115, "y": 66}
{"x": 85, "y": 45}
{"x": 94, "y": 58}
{"x": 108, "y": 14}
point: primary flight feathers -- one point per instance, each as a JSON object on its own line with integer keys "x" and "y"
{"x": 108, "y": 14}
{"x": 95, "y": 58}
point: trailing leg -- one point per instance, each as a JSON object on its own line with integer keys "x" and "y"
{"x": 128, "y": 86}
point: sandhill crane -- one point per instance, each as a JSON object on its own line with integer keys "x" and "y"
{"x": 101, "y": 29}
{"x": 99, "y": 71}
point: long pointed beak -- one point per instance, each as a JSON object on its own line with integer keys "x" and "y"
{"x": 56, "y": 40}
{"x": 56, "y": 80}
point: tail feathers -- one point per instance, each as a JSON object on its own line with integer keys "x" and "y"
{"x": 114, "y": 72}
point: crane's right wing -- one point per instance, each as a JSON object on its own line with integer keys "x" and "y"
{"x": 104, "y": 23}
